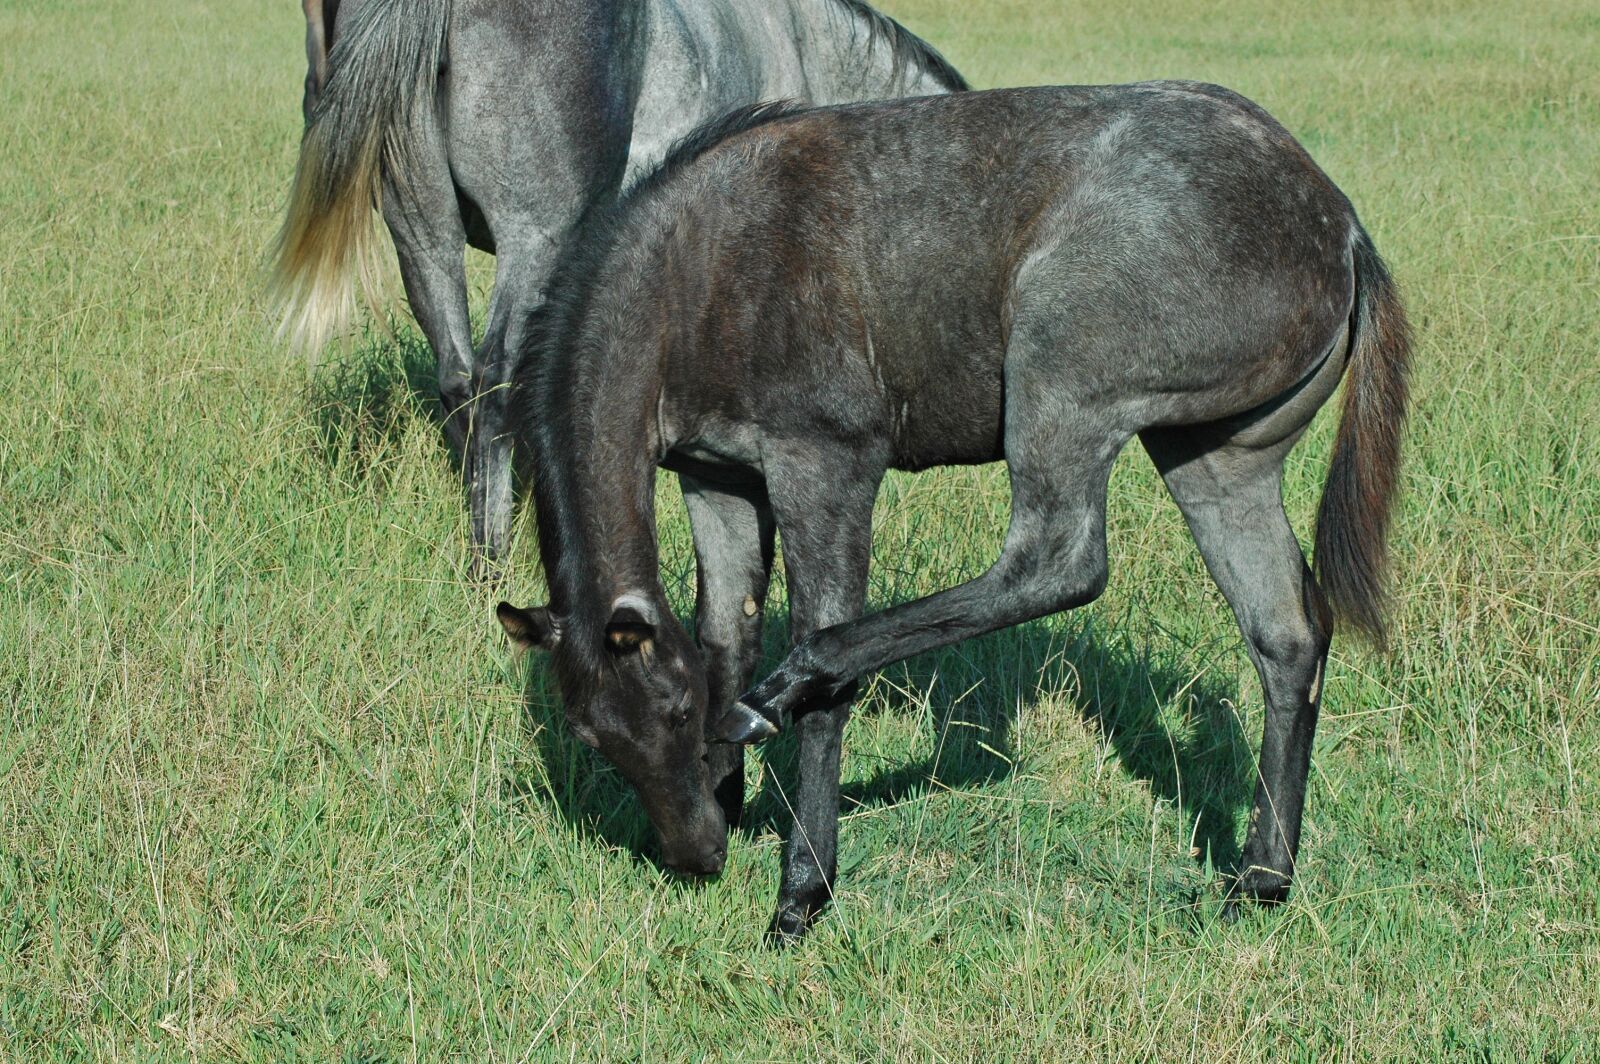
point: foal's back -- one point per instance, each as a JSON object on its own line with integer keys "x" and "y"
{"x": 897, "y": 249}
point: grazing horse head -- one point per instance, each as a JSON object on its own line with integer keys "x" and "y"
{"x": 635, "y": 690}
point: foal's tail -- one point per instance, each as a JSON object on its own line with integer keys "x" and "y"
{"x": 1353, "y": 520}
{"x": 384, "y": 68}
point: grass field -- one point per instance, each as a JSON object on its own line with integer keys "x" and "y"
{"x": 270, "y": 788}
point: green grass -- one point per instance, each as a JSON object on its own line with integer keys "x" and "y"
{"x": 270, "y": 788}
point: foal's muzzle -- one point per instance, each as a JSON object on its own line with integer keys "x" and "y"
{"x": 702, "y": 864}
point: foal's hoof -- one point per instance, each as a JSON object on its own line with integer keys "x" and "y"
{"x": 782, "y": 694}
{"x": 743, "y": 725}
{"x": 788, "y": 926}
{"x": 1260, "y": 885}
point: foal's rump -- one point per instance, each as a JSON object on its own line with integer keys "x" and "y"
{"x": 1193, "y": 263}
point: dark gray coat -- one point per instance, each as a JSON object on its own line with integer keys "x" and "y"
{"x": 799, "y": 302}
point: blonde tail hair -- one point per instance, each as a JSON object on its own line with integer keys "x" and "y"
{"x": 384, "y": 68}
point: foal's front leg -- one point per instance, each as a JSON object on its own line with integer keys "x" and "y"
{"x": 827, "y": 544}
{"x": 1054, "y": 559}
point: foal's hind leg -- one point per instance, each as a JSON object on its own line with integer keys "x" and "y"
{"x": 733, "y": 534}
{"x": 1230, "y": 495}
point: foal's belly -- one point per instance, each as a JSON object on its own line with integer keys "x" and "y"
{"x": 947, "y": 410}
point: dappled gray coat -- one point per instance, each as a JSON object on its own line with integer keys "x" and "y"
{"x": 500, "y": 123}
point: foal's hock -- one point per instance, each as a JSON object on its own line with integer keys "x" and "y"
{"x": 800, "y": 301}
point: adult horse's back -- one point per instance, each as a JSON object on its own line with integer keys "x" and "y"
{"x": 500, "y": 123}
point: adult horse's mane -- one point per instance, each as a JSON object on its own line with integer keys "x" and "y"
{"x": 908, "y": 49}
{"x": 597, "y": 235}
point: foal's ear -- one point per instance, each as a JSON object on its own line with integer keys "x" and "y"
{"x": 527, "y": 628}
{"x": 632, "y": 626}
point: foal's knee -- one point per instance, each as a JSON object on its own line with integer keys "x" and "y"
{"x": 1068, "y": 591}
{"x": 1087, "y": 583}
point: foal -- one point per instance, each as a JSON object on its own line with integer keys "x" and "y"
{"x": 800, "y": 301}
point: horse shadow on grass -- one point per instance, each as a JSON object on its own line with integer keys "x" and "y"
{"x": 1168, "y": 724}
{"x": 361, "y": 400}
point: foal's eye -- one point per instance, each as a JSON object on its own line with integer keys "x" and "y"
{"x": 679, "y": 715}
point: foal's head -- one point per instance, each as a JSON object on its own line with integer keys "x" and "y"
{"x": 635, "y": 690}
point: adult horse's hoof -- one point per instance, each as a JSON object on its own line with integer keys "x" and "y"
{"x": 486, "y": 568}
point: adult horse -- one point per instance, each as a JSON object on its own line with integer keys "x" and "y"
{"x": 1034, "y": 275}
{"x": 500, "y": 123}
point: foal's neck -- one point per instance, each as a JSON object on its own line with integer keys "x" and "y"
{"x": 602, "y": 424}
{"x": 595, "y": 485}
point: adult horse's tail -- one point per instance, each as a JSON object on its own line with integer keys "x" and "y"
{"x": 384, "y": 68}
{"x": 1353, "y": 520}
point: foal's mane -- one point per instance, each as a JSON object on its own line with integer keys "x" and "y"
{"x": 552, "y": 372}
{"x": 906, "y": 47}
{"x": 583, "y": 261}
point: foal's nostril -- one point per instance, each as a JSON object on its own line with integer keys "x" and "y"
{"x": 706, "y": 863}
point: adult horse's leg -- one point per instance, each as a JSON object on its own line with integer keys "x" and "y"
{"x": 321, "y": 16}
{"x": 733, "y": 533}
{"x": 423, "y": 215}
{"x": 539, "y": 119}
{"x": 826, "y": 523}
{"x": 522, "y": 266}
{"x": 1231, "y": 497}
{"x": 429, "y": 240}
